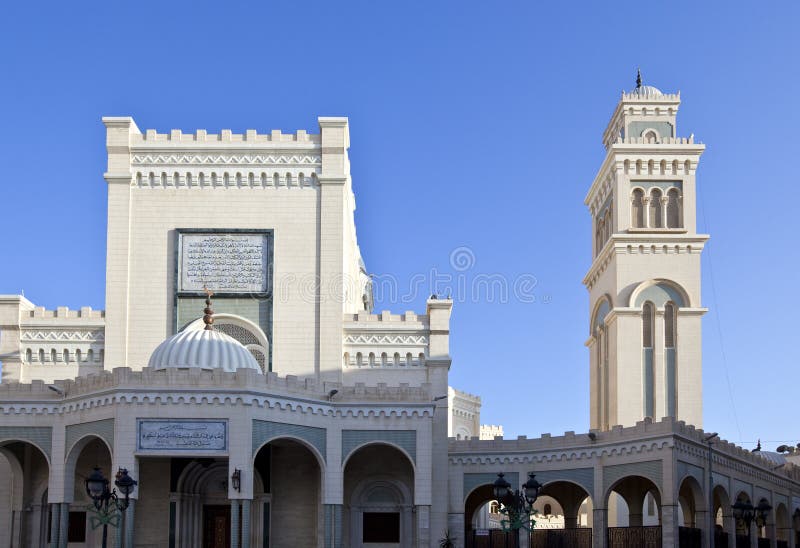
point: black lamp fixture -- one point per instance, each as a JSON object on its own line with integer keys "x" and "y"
{"x": 236, "y": 479}
{"x": 516, "y": 506}
{"x": 745, "y": 513}
{"x": 97, "y": 488}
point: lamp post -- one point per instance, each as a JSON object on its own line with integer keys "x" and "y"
{"x": 516, "y": 505}
{"x": 746, "y": 513}
{"x": 97, "y": 489}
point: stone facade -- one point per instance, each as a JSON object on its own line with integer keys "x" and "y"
{"x": 346, "y": 433}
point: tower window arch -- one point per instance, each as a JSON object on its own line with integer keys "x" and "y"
{"x": 648, "y": 377}
{"x": 670, "y": 355}
{"x": 637, "y": 208}
{"x": 673, "y": 209}
{"x": 656, "y": 220}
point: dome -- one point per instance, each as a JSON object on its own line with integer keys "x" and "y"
{"x": 204, "y": 349}
{"x": 644, "y": 91}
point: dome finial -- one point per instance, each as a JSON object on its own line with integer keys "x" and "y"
{"x": 638, "y": 78}
{"x": 208, "y": 318}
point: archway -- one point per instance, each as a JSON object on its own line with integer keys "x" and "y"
{"x": 723, "y": 516}
{"x": 83, "y": 457}
{"x": 637, "y": 517}
{"x": 573, "y": 527}
{"x": 782, "y": 526}
{"x": 287, "y": 495}
{"x": 378, "y": 497}
{"x": 742, "y": 534}
{"x": 24, "y": 475}
{"x": 692, "y": 507}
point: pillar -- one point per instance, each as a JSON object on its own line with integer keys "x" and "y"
{"x": 599, "y": 528}
{"x": 669, "y": 525}
{"x": 423, "y": 517}
{"x": 333, "y": 525}
{"x": 63, "y": 529}
{"x": 130, "y": 525}
{"x": 119, "y": 532}
{"x": 246, "y": 523}
{"x": 55, "y": 520}
{"x": 234, "y": 524}
{"x": 455, "y": 524}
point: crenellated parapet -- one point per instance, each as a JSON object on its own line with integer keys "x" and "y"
{"x": 385, "y": 340}
{"x": 203, "y": 160}
{"x": 47, "y": 344}
{"x": 202, "y": 387}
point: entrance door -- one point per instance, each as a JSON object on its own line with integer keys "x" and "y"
{"x": 216, "y": 526}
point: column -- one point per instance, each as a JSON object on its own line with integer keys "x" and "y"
{"x": 234, "y": 523}
{"x": 119, "y": 531}
{"x": 455, "y": 523}
{"x": 246, "y": 523}
{"x": 55, "y": 521}
{"x": 63, "y": 532}
{"x": 130, "y": 525}
{"x": 753, "y": 533}
{"x": 423, "y": 515}
{"x": 729, "y": 524}
{"x": 333, "y": 525}
{"x": 669, "y": 525}
{"x": 599, "y": 528}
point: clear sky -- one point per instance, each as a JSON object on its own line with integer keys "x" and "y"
{"x": 474, "y": 125}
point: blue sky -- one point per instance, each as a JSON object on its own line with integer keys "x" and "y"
{"x": 473, "y": 124}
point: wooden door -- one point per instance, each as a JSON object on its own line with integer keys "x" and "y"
{"x": 216, "y": 526}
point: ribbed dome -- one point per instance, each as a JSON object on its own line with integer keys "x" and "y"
{"x": 202, "y": 348}
{"x": 646, "y": 91}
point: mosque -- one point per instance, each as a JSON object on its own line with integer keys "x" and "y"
{"x": 240, "y": 377}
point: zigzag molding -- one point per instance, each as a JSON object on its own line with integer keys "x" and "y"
{"x": 42, "y": 335}
{"x": 225, "y": 159}
{"x": 386, "y": 338}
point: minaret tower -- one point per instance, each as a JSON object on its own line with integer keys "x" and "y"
{"x": 644, "y": 282}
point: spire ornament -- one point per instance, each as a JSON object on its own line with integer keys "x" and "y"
{"x": 638, "y": 78}
{"x": 208, "y": 312}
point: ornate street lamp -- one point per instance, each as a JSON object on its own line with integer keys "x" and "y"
{"x": 744, "y": 512}
{"x": 97, "y": 489}
{"x": 516, "y": 506}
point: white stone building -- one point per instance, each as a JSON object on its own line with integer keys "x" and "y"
{"x": 303, "y": 419}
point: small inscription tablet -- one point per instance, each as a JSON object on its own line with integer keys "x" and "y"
{"x": 224, "y": 262}
{"x": 182, "y": 435}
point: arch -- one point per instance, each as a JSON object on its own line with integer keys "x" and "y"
{"x": 654, "y": 213}
{"x": 650, "y": 135}
{"x": 691, "y": 500}
{"x": 659, "y": 291}
{"x": 73, "y": 455}
{"x": 601, "y": 309}
{"x": 637, "y": 208}
{"x": 633, "y": 490}
{"x": 570, "y": 496}
{"x": 782, "y": 524}
{"x": 722, "y": 507}
{"x": 314, "y": 451}
{"x": 25, "y": 477}
{"x": 673, "y": 209}
{"x": 378, "y": 478}
{"x": 385, "y": 443}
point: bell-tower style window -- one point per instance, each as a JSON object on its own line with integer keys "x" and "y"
{"x": 648, "y": 377}
{"x": 670, "y": 327}
{"x": 673, "y": 209}
{"x": 655, "y": 209}
{"x": 637, "y": 208}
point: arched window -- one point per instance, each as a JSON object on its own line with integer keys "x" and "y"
{"x": 670, "y": 328}
{"x": 673, "y": 209}
{"x": 90, "y": 355}
{"x": 65, "y": 355}
{"x": 359, "y": 359}
{"x": 346, "y": 359}
{"x": 655, "y": 209}
{"x": 78, "y": 356}
{"x": 28, "y": 356}
{"x": 372, "y": 359}
{"x": 409, "y": 359}
{"x": 648, "y": 328}
{"x": 53, "y": 355}
{"x": 650, "y": 137}
{"x": 41, "y": 355}
{"x": 384, "y": 359}
{"x": 637, "y": 208}
{"x": 396, "y": 359}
